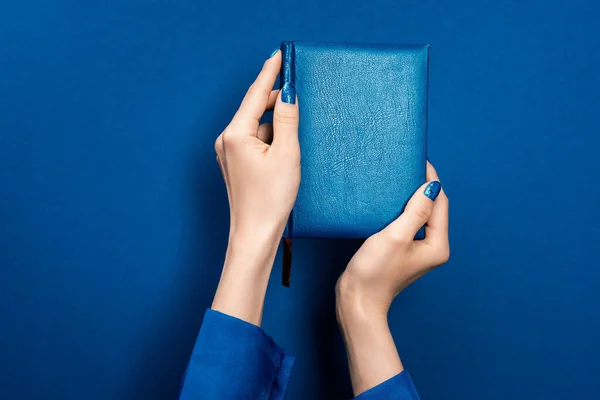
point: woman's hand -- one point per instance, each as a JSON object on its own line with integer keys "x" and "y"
{"x": 261, "y": 169}
{"x": 261, "y": 163}
{"x": 385, "y": 264}
{"x": 391, "y": 260}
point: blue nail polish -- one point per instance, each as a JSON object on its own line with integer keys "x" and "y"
{"x": 274, "y": 52}
{"x": 288, "y": 93}
{"x": 433, "y": 189}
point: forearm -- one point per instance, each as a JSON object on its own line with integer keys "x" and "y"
{"x": 243, "y": 284}
{"x": 372, "y": 354}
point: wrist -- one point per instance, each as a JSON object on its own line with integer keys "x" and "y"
{"x": 251, "y": 251}
{"x": 354, "y": 314}
{"x": 357, "y": 303}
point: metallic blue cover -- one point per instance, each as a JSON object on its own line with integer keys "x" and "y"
{"x": 363, "y": 134}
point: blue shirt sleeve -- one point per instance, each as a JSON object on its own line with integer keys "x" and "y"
{"x": 233, "y": 359}
{"x": 399, "y": 387}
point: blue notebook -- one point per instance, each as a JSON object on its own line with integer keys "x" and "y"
{"x": 363, "y": 134}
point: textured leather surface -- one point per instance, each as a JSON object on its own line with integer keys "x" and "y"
{"x": 363, "y": 129}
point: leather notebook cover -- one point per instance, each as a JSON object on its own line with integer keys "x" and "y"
{"x": 363, "y": 134}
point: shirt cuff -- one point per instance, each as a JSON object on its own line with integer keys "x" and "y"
{"x": 399, "y": 387}
{"x": 234, "y": 359}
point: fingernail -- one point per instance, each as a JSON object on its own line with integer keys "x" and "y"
{"x": 433, "y": 189}
{"x": 288, "y": 93}
{"x": 274, "y": 52}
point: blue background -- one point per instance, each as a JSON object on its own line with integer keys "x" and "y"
{"x": 113, "y": 216}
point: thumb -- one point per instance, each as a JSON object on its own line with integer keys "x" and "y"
{"x": 417, "y": 212}
{"x": 285, "y": 119}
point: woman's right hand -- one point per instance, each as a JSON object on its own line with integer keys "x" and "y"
{"x": 391, "y": 260}
{"x": 385, "y": 264}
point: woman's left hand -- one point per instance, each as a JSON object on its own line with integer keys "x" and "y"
{"x": 261, "y": 168}
{"x": 261, "y": 163}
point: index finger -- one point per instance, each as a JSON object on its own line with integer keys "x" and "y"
{"x": 256, "y": 99}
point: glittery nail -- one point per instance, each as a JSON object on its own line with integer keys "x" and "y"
{"x": 288, "y": 93}
{"x": 274, "y": 52}
{"x": 433, "y": 189}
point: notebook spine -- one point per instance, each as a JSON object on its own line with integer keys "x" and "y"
{"x": 287, "y": 76}
{"x": 287, "y": 64}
